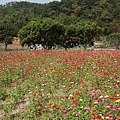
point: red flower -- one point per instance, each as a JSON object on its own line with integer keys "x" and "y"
{"x": 99, "y": 116}
{"x": 34, "y": 94}
{"x": 58, "y": 71}
{"x": 39, "y": 91}
{"x": 43, "y": 110}
{"x": 9, "y": 86}
{"x": 93, "y": 114}
{"x": 77, "y": 93}
{"x": 106, "y": 73}
{"x": 53, "y": 106}
{"x": 75, "y": 101}
{"x": 39, "y": 104}
{"x": 118, "y": 117}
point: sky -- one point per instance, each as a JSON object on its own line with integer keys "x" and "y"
{"x": 35, "y": 1}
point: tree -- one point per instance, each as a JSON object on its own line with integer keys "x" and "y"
{"x": 53, "y": 9}
{"x": 70, "y": 37}
{"x": 30, "y": 33}
{"x": 87, "y": 31}
{"x": 114, "y": 39}
{"x": 82, "y": 32}
{"x": 5, "y": 32}
{"x": 52, "y": 32}
{"x": 45, "y": 31}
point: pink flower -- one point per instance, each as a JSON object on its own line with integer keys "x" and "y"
{"x": 113, "y": 109}
{"x": 107, "y": 106}
{"x": 46, "y": 81}
{"x": 61, "y": 96}
{"x": 78, "y": 113}
{"x": 4, "y": 115}
{"x": 64, "y": 96}
{"x": 87, "y": 109}
{"x": 72, "y": 106}
{"x": 29, "y": 96}
{"x": 116, "y": 86}
{"x": 110, "y": 119}
{"x": 23, "y": 107}
{"x": 64, "y": 111}
{"x": 110, "y": 114}
{"x": 36, "y": 99}
{"x": 75, "y": 90}
{"x": 102, "y": 103}
{"x": 111, "y": 105}
{"x": 93, "y": 94}
{"x": 67, "y": 88}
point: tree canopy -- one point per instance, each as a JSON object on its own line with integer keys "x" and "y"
{"x": 50, "y": 32}
{"x": 114, "y": 39}
{"x": 45, "y": 31}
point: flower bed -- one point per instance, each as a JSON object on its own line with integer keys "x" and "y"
{"x": 61, "y": 85}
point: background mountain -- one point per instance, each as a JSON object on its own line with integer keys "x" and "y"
{"x": 15, "y": 15}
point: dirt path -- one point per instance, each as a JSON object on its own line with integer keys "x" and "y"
{"x": 13, "y": 47}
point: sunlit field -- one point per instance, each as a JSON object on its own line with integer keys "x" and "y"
{"x": 60, "y": 85}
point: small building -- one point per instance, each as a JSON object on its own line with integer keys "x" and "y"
{"x": 16, "y": 41}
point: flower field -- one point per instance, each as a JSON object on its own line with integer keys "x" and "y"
{"x": 60, "y": 85}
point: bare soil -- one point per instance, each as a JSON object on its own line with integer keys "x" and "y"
{"x": 13, "y": 47}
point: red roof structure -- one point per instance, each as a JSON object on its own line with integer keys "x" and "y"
{"x": 15, "y": 41}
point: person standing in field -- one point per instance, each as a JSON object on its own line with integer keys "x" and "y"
{"x": 6, "y": 45}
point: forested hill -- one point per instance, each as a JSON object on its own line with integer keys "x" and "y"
{"x": 15, "y": 15}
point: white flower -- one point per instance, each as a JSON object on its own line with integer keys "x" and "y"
{"x": 106, "y": 96}
{"x": 96, "y": 102}
{"x": 81, "y": 99}
{"x": 118, "y": 95}
{"x": 70, "y": 95}
{"x": 107, "y": 117}
{"x": 117, "y": 100}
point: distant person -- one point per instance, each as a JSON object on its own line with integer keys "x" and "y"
{"x": 6, "y": 45}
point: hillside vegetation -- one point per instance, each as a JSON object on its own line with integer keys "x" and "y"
{"x": 15, "y": 15}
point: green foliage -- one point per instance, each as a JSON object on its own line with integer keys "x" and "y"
{"x": 114, "y": 39}
{"x": 55, "y": 33}
{"x": 47, "y": 29}
{"x": 87, "y": 30}
{"x": 115, "y": 35}
{"x": 83, "y": 32}
{"x": 29, "y": 32}
{"x": 15, "y": 15}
